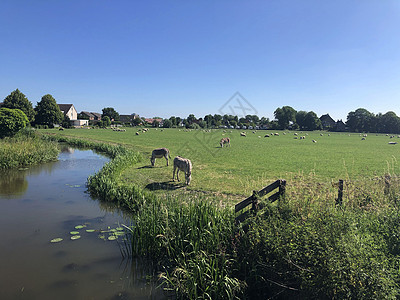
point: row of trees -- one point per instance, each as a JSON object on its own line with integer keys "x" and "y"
{"x": 285, "y": 117}
{"x": 361, "y": 120}
{"x": 46, "y": 111}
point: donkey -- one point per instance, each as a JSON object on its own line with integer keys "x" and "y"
{"x": 158, "y": 153}
{"x": 184, "y": 165}
{"x": 225, "y": 140}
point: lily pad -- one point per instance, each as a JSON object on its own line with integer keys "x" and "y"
{"x": 56, "y": 240}
{"x": 90, "y": 230}
{"x": 74, "y": 232}
{"x": 120, "y": 228}
{"x": 79, "y": 226}
{"x": 102, "y": 236}
{"x": 75, "y": 237}
{"x": 112, "y": 237}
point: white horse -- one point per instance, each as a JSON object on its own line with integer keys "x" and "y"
{"x": 184, "y": 165}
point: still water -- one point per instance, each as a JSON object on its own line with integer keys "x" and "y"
{"x": 47, "y": 202}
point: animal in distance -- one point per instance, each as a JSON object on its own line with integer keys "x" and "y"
{"x": 159, "y": 153}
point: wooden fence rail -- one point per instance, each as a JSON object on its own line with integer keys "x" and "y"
{"x": 253, "y": 199}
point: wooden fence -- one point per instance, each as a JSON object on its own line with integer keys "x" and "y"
{"x": 254, "y": 199}
{"x": 281, "y": 186}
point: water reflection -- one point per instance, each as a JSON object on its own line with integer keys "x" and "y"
{"x": 49, "y": 201}
{"x": 13, "y": 182}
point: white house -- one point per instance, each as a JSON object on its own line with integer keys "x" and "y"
{"x": 70, "y": 111}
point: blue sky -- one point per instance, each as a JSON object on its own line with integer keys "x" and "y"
{"x": 163, "y": 58}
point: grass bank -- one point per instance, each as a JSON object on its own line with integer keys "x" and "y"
{"x": 26, "y": 149}
{"x": 300, "y": 247}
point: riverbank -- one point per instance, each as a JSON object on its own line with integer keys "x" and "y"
{"x": 303, "y": 246}
{"x": 26, "y": 149}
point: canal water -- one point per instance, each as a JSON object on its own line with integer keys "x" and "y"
{"x": 43, "y": 203}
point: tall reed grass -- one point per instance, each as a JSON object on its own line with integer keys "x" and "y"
{"x": 25, "y": 149}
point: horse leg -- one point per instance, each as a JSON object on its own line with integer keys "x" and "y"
{"x": 173, "y": 174}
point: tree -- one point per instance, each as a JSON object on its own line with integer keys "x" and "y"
{"x": 106, "y": 121}
{"x": 312, "y": 122}
{"x": 284, "y": 116}
{"x": 18, "y": 100}
{"x": 111, "y": 113}
{"x": 173, "y": 121}
{"x": 167, "y": 123}
{"x": 360, "y": 120}
{"x": 217, "y": 119}
{"x": 48, "y": 112}
{"x": 66, "y": 123}
{"x": 136, "y": 121}
{"x": 208, "y": 119}
{"x": 12, "y": 121}
{"x": 191, "y": 119}
{"x": 264, "y": 122}
{"x": 156, "y": 124}
{"x": 390, "y": 123}
{"x": 301, "y": 118}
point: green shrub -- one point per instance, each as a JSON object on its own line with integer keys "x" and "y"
{"x": 11, "y": 121}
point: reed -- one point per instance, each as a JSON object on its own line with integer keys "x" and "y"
{"x": 25, "y": 149}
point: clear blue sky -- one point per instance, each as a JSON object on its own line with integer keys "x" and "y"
{"x": 163, "y": 58}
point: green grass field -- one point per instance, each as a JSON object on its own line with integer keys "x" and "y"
{"x": 251, "y": 162}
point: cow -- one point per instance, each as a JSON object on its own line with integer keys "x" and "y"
{"x": 225, "y": 140}
{"x": 158, "y": 153}
{"x": 184, "y": 165}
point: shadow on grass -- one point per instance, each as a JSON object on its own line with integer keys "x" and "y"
{"x": 145, "y": 167}
{"x": 167, "y": 185}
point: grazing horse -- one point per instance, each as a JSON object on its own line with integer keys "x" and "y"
{"x": 158, "y": 153}
{"x": 184, "y": 165}
{"x": 225, "y": 140}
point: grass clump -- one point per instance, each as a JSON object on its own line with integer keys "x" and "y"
{"x": 25, "y": 149}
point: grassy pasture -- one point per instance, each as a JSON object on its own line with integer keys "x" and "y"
{"x": 304, "y": 242}
{"x": 252, "y": 161}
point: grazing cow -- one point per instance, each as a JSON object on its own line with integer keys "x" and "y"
{"x": 225, "y": 140}
{"x": 242, "y": 134}
{"x": 158, "y": 153}
{"x": 184, "y": 165}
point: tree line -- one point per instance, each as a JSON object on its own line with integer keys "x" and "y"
{"x": 47, "y": 112}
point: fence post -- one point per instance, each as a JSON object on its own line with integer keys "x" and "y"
{"x": 340, "y": 193}
{"x": 254, "y": 202}
{"x": 282, "y": 187}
